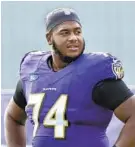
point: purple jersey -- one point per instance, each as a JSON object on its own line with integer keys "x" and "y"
{"x": 60, "y": 105}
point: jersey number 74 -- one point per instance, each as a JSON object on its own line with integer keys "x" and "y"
{"x": 58, "y": 110}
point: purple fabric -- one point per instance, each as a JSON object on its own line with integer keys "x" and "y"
{"x": 88, "y": 120}
{"x": 112, "y": 131}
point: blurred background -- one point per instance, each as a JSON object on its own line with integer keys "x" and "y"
{"x": 107, "y": 27}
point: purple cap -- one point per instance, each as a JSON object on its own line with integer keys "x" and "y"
{"x": 59, "y": 16}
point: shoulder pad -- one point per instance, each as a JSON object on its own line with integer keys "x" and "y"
{"x": 101, "y": 54}
{"x": 32, "y": 54}
{"x": 110, "y": 63}
{"x": 31, "y": 60}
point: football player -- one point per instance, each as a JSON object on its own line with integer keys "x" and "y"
{"x": 69, "y": 96}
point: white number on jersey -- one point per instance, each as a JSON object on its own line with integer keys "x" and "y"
{"x": 58, "y": 110}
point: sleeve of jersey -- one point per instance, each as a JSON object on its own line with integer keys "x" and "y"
{"x": 111, "y": 93}
{"x": 111, "y": 68}
{"x": 19, "y": 97}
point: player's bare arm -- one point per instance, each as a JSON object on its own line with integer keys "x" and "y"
{"x": 126, "y": 113}
{"x": 116, "y": 96}
{"x": 15, "y": 118}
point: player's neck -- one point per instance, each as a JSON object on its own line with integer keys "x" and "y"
{"x": 57, "y": 63}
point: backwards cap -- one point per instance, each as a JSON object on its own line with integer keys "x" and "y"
{"x": 59, "y": 16}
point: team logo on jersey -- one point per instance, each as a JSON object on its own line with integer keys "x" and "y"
{"x": 33, "y": 77}
{"x": 50, "y": 89}
{"x": 118, "y": 69}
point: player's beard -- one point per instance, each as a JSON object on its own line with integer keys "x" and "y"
{"x": 66, "y": 59}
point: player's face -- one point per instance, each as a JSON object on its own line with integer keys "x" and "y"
{"x": 67, "y": 40}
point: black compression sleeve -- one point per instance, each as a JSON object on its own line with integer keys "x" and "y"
{"x": 111, "y": 93}
{"x": 19, "y": 97}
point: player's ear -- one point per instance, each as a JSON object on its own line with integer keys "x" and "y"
{"x": 49, "y": 38}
